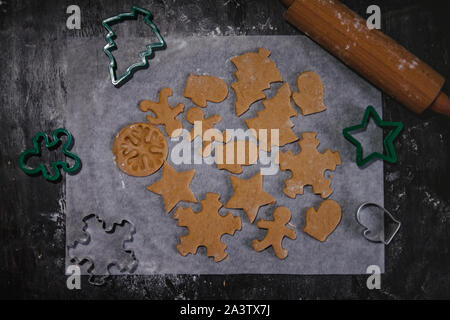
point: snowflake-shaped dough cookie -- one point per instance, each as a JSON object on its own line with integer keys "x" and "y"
{"x": 308, "y": 167}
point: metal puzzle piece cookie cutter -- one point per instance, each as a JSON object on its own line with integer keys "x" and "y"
{"x": 111, "y": 46}
{"x": 378, "y": 237}
{"x": 36, "y": 151}
{"x": 388, "y": 141}
{"x": 89, "y": 257}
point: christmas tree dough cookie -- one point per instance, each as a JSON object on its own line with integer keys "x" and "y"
{"x": 276, "y": 231}
{"x": 206, "y": 228}
{"x": 174, "y": 187}
{"x": 310, "y": 96}
{"x": 255, "y": 72}
{"x": 249, "y": 195}
{"x": 308, "y": 167}
{"x": 205, "y": 88}
{"x": 321, "y": 223}
{"x": 164, "y": 113}
{"x": 275, "y": 115}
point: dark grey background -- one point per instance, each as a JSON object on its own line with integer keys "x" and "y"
{"x": 32, "y": 34}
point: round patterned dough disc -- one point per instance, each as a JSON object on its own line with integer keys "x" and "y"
{"x": 140, "y": 149}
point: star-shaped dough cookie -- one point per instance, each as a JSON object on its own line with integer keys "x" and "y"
{"x": 174, "y": 187}
{"x": 249, "y": 195}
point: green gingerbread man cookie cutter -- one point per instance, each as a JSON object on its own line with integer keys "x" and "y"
{"x": 55, "y": 165}
{"x": 388, "y": 143}
{"x": 111, "y": 46}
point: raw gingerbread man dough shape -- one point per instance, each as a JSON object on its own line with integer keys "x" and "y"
{"x": 164, "y": 114}
{"x": 310, "y": 96}
{"x": 205, "y": 88}
{"x": 276, "y": 231}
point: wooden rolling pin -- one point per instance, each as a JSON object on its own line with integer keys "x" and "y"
{"x": 375, "y": 56}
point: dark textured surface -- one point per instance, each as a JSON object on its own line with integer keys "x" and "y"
{"x": 417, "y": 189}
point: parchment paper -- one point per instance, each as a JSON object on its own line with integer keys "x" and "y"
{"x": 96, "y": 111}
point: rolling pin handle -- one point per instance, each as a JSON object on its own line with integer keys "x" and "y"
{"x": 441, "y": 104}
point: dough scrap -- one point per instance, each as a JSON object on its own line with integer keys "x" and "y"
{"x": 244, "y": 153}
{"x": 206, "y": 228}
{"x": 249, "y": 195}
{"x": 308, "y": 167}
{"x": 196, "y": 114}
{"x": 255, "y": 72}
{"x": 174, "y": 187}
{"x": 164, "y": 114}
{"x": 275, "y": 115}
{"x": 276, "y": 231}
{"x": 310, "y": 96}
{"x": 140, "y": 149}
{"x": 205, "y": 88}
{"x": 321, "y": 223}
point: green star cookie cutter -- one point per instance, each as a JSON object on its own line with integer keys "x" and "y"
{"x": 388, "y": 143}
{"x": 111, "y": 46}
{"x": 55, "y": 165}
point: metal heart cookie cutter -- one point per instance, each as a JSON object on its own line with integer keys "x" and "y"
{"x": 376, "y": 234}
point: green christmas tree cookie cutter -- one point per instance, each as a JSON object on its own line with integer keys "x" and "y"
{"x": 55, "y": 165}
{"x": 111, "y": 46}
{"x": 388, "y": 143}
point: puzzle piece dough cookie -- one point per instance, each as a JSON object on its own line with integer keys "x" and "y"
{"x": 140, "y": 149}
{"x": 310, "y": 96}
{"x": 205, "y": 88}
{"x": 249, "y": 195}
{"x": 164, "y": 114}
{"x": 321, "y": 223}
{"x": 174, "y": 187}
{"x": 308, "y": 167}
{"x": 276, "y": 231}
{"x": 255, "y": 72}
{"x": 275, "y": 115}
{"x": 242, "y": 153}
{"x": 206, "y": 228}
